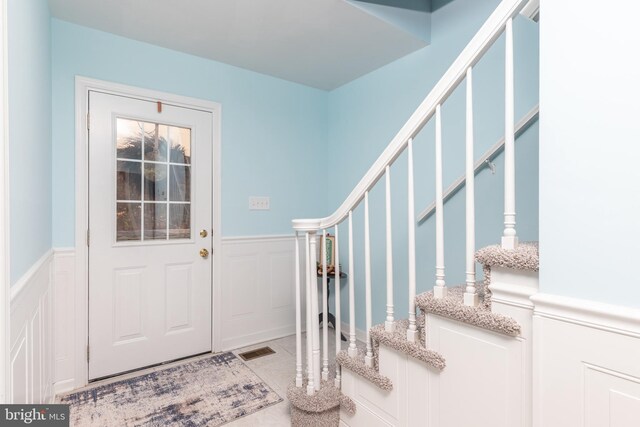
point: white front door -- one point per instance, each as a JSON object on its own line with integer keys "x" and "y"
{"x": 150, "y": 233}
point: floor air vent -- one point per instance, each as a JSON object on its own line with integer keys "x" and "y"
{"x": 258, "y": 352}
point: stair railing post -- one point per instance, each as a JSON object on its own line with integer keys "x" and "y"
{"x": 325, "y": 310}
{"x": 298, "y": 317}
{"x": 315, "y": 321}
{"x": 310, "y": 379}
{"x": 368, "y": 359}
{"x": 509, "y": 237}
{"x": 389, "y": 324}
{"x": 412, "y": 330}
{"x": 439, "y": 290}
{"x": 338, "y": 325}
{"x": 353, "y": 350}
{"x": 470, "y": 294}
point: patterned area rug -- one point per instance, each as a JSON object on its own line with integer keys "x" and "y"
{"x": 205, "y": 392}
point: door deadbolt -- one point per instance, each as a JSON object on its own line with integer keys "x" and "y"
{"x": 203, "y": 233}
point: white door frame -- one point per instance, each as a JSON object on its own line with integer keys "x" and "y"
{"x": 5, "y": 278}
{"x": 83, "y": 86}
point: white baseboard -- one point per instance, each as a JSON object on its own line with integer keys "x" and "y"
{"x": 30, "y": 357}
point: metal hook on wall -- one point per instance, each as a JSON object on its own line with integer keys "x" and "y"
{"x": 491, "y": 166}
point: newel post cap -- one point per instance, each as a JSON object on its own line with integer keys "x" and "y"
{"x": 307, "y": 225}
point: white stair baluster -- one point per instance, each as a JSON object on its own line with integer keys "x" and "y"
{"x": 412, "y": 331}
{"x": 298, "y": 318}
{"x": 439, "y": 290}
{"x": 368, "y": 359}
{"x": 315, "y": 321}
{"x": 509, "y": 237}
{"x": 325, "y": 311}
{"x": 353, "y": 350}
{"x": 470, "y": 295}
{"x": 337, "y": 326}
{"x": 389, "y": 324}
{"x": 310, "y": 382}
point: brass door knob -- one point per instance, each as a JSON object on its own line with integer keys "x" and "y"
{"x": 204, "y": 253}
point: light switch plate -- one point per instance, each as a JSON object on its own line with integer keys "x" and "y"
{"x": 259, "y": 203}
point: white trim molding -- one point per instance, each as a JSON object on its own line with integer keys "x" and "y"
{"x": 83, "y": 86}
{"x": 607, "y": 317}
{"x": 5, "y": 282}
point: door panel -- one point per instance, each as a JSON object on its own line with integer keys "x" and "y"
{"x": 150, "y": 193}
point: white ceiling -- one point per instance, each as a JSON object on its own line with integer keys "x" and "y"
{"x": 319, "y": 43}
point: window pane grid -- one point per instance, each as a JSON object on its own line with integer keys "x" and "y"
{"x": 153, "y": 168}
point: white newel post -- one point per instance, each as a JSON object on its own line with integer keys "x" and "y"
{"x": 389, "y": 324}
{"x": 325, "y": 310}
{"x": 298, "y": 318}
{"x": 309, "y": 284}
{"x": 439, "y": 290}
{"x": 353, "y": 350}
{"x": 368, "y": 359}
{"x": 310, "y": 228}
{"x": 412, "y": 331}
{"x": 470, "y": 294}
{"x": 338, "y": 325}
{"x": 315, "y": 321}
{"x": 509, "y": 237}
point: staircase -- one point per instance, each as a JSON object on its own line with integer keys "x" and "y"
{"x": 463, "y": 355}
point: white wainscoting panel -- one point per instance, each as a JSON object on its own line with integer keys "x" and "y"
{"x": 586, "y": 364}
{"x": 485, "y": 381}
{"x": 257, "y": 289}
{"x": 31, "y": 368}
{"x": 64, "y": 297}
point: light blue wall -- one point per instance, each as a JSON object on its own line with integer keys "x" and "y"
{"x": 273, "y": 131}
{"x": 365, "y": 114}
{"x": 29, "y": 74}
{"x": 589, "y": 134}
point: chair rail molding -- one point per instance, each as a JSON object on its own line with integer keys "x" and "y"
{"x": 593, "y": 314}
{"x": 82, "y": 87}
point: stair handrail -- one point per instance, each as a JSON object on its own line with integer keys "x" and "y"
{"x": 455, "y": 74}
{"x": 525, "y": 122}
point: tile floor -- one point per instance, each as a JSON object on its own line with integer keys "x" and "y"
{"x": 277, "y": 371}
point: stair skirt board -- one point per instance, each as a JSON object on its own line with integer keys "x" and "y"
{"x": 321, "y": 409}
{"x": 452, "y": 306}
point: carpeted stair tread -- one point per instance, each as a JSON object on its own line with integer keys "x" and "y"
{"x": 452, "y": 306}
{"x": 322, "y": 409}
{"x": 357, "y": 366}
{"x": 328, "y": 397}
{"x": 397, "y": 340}
{"x": 524, "y": 257}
